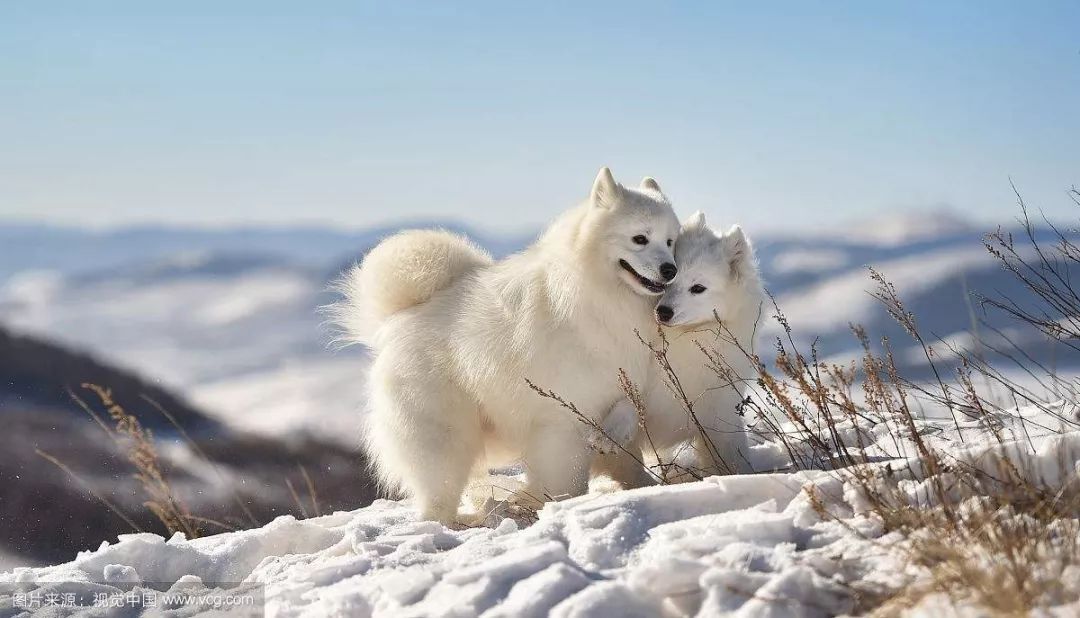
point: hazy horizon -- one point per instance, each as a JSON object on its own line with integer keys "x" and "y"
{"x": 935, "y": 219}
{"x": 780, "y": 117}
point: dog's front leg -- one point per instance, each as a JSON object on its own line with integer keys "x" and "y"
{"x": 618, "y": 430}
{"x": 721, "y": 445}
{"x": 619, "y": 451}
{"x": 557, "y": 459}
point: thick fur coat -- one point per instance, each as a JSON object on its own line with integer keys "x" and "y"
{"x": 718, "y": 280}
{"x": 456, "y": 335}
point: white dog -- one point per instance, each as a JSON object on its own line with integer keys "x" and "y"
{"x": 718, "y": 278}
{"x": 456, "y": 335}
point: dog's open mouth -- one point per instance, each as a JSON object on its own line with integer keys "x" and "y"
{"x": 645, "y": 282}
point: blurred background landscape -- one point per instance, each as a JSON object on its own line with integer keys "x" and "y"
{"x": 180, "y": 184}
{"x": 222, "y": 329}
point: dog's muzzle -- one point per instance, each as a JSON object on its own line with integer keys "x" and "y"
{"x": 653, "y": 286}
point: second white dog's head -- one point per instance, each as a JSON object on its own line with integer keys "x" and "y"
{"x": 718, "y": 276}
{"x": 638, "y": 229}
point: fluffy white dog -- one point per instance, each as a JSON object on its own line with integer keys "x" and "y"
{"x": 455, "y": 336}
{"x": 718, "y": 279}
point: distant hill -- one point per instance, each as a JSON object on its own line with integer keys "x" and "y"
{"x": 38, "y": 414}
{"x": 78, "y": 251}
{"x": 40, "y": 374}
{"x": 822, "y": 285}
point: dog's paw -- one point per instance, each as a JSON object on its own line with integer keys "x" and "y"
{"x": 604, "y": 485}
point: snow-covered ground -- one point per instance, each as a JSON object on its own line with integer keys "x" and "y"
{"x": 750, "y": 545}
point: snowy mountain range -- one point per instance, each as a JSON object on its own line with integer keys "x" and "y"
{"x": 229, "y": 318}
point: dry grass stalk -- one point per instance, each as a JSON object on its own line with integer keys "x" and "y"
{"x": 142, "y": 454}
{"x": 137, "y": 442}
{"x": 89, "y": 488}
{"x": 237, "y": 499}
{"x": 675, "y": 387}
{"x": 310, "y": 484}
{"x": 593, "y": 425}
{"x": 993, "y": 535}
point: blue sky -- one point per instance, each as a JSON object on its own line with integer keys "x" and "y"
{"x": 791, "y": 115}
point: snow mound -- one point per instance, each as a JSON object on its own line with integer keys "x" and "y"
{"x": 747, "y": 545}
{"x": 631, "y": 553}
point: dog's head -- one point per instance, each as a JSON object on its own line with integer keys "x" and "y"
{"x": 717, "y": 274}
{"x": 639, "y": 228}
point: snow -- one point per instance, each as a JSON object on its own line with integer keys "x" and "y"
{"x": 244, "y": 344}
{"x": 319, "y": 396}
{"x": 10, "y": 561}
{"x": 171, "y": 328}
{"x": 846, "y": 295}
{"x": 620, "y": 554}
{"x": 905, "y": 226}
{"x": 748, "y": 545}
{"x": 808, "y": 261}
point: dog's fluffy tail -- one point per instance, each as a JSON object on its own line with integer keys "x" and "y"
{"x": 402, "y": 271}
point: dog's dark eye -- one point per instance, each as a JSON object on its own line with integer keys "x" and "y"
{"x": 669, "y": 242}
{"x": 640, "y": 240}
{"x": 697, "y": 288}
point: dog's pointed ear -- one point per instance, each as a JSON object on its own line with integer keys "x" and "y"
{"x": 694, "y": 222}
{"x": 739, "y": 252}
{"x": 604, "y": 189}
{"x": 649, "y": 183}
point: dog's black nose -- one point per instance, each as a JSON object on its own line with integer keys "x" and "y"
{"x": 664, "y": 313}
{"x": 668, "y": 271}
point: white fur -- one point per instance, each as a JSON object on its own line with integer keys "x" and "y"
{"x": 725, "y": 265}
{"x": 402, "y": 271}
{"x": 448, "y": 390}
